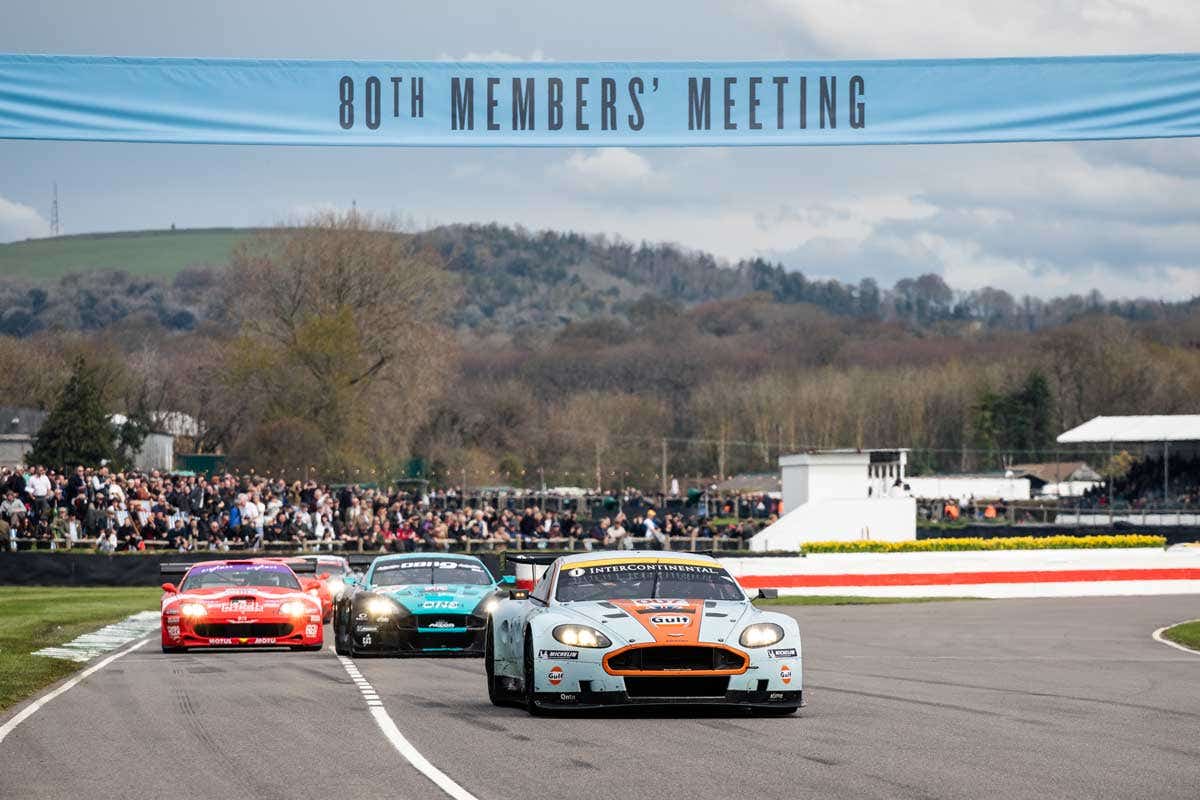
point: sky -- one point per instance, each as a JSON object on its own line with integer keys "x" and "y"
{"x": 1042, "y": 219}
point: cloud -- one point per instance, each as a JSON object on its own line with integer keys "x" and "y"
{"x": 607, "y": 171}
{"x": 983, "y": 28}
{"x": 496, "y": 56}
{"x": 18, "y": 221}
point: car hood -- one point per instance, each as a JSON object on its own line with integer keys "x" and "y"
{"x": 444, "y": 599}
{"x": 679, "y": 621}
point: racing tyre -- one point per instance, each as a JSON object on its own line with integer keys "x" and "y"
{"x": 338, "y": 647}
{"x": 307, "y": 647}
{"x": 489, "y": 666}
{"x": 166, "y": 649}
{"x": 531, "y": 704}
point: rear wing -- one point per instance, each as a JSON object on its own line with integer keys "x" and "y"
{"x": 529, "y": 567}
{"x": 167, "y": 573}
{"x": 359, "y": 562}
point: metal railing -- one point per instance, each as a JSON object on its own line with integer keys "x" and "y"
{"x": 555, "y": 544}
{"x": 1053, "y": 514}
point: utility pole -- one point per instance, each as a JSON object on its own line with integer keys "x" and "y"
{"x": 55, "y": 226}
{"x": 664, "y": 466}
{"x": 599, "y": 480}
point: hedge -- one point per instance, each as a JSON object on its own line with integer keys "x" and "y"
{"x": 1008, "y": 543}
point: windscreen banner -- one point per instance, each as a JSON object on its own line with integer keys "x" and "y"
{"x": 634, "y": 104}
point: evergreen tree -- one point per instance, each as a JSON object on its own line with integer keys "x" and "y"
{"x": 78, "y": 430}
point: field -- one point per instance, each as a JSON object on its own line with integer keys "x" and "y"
{"x": 35, "y": 617}
{"x": 150, "y": 253}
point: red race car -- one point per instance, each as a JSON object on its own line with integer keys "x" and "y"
{"x": 239, "y": 603}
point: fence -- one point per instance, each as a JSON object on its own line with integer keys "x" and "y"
{"x": 555, "y": 544}
{"x": 1052, "y": 514}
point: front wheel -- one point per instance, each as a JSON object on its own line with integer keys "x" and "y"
{"x": 489, "y": 666}
{"x": 531, "y": 703}
{"x": 338, "y": 646}
{"x": 167, "y": 649}
{"x": 307, "y": 647}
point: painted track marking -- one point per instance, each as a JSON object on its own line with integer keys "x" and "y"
{"x": 1158, "y": 637}
{"x": 397, "y": 739}
{"x": 31, "y": 709}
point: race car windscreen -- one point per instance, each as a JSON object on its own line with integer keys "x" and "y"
{"x": 237, "y": 575}
{"x": 646, "y": 580}
{"x": 429, "y": 573}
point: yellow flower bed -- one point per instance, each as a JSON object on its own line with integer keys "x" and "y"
{"x": 975, "y": 543}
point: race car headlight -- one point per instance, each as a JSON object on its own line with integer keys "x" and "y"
{"x": 193, "y": 610}
{"x": 336, "y": 586}
{"x": 581, "y": 636}
{"x": 487, "y": 606}
{"x": 381, "y": 607}
{"x": 294, "y": 608}
{"x": 761, "y": 634}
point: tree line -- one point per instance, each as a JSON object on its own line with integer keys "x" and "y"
{"x": 338, "y": 348}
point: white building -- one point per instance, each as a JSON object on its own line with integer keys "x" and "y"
{"x": 1006, "y": 487}
{"x": 841, "y": 495}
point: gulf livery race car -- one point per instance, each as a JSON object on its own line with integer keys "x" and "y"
{"x": 416, "y": 603}
{"x": 242, "y": 603}
{"x": 641, "y": 628}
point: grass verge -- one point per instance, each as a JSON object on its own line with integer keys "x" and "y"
{"x": 1185, "y": 633}
{"x": 848, "y": 600}
{"x": 33, "y": 617}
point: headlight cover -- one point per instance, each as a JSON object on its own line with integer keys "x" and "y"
{"x": 294, "y": 608}
{"x": 581, "y": 636}
{"x": 487, "y": 606}
{"x": 761, "y": 634}
{"x": 382, "y": 607}
{"x": 193, "y": 609}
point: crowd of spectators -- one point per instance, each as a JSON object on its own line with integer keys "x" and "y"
{"x": 129, "y": 511}
{"x": 1141, "y": 488}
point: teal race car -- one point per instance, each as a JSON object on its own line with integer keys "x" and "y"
{"x": 417, "y": 604}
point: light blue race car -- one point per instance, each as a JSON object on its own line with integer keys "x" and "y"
{"x": 417, "y": 604}
{"x": 640, "y": 628}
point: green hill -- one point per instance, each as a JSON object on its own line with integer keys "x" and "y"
{"x": 159, "y": 254}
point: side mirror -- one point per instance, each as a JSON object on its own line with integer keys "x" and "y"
{"x": 767, "y": 594}
{"x": 518, "y": 594}
{"x": 324, "y": 576}
{"x": 508, "y": 580}
{"x": 169, "y": 588}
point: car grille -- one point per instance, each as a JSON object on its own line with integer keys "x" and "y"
{"x": 256, "y": 630}
{"x": 438, "y": 641}
{"x": 676, "y": 658}
{"x": 676, "y": 686}
{"x": 444, "y": 620}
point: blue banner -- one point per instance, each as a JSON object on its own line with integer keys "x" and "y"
{"x": 423, "y": 103}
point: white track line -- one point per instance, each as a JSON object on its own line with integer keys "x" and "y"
{"x": 402, "y": 745}
{"x": 31, "y": 709}
{"x": 1158, "y": 637}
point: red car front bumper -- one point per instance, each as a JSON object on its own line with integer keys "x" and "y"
{"x": 231, "y": 630}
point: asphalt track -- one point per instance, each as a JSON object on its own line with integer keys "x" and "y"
{"x": 1064, "y": 698}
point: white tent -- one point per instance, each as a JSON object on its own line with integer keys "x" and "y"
{"x": 1140, "y": 428}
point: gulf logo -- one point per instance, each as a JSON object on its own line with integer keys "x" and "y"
{"x": 555, "y": 676}
{"x": 785, "y": 674}
{"x": 670, "y": 619}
